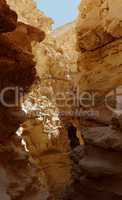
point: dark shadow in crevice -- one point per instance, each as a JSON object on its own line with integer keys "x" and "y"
{"x": 72, "y": 135}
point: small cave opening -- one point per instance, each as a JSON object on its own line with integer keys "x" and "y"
{"x": 72, "y": 135}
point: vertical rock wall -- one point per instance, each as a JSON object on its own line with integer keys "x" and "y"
{"x": 99, "y": 33}
{"x": 28, "y": 13}
{"x": 97, "y": 164}
{"x": 19, "y": 176}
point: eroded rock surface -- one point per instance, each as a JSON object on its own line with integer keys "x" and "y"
{"x": 97, "y": 164}
{"x": 8, "y": 18}
{"x": 57, "y": 68}
{"x": 20, "y": 176}
{"x": 99, "y": 33}
{"x": 28, "y": 13}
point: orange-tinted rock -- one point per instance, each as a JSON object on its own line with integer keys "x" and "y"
{"x": 19, "y": 176}
{"x": 99, "y": 33}
{"x": 16, "y": 56}
{"x": 8, "y": 18}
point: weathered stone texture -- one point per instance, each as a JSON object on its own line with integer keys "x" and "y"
{"x": 99, "y": 33}
{"x": 28, "y": 13}
{"x": 19, "y": 177}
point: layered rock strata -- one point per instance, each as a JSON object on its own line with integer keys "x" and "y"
{"x": 99, "y": 33}
{"x": 8, "y": 18}
{"x": 42, "y": 128}
{"x": 98, "y": 36}
{"x": 19, "y": 176}
{"x": 28, "y": 13}
{"x": 97, "y": 165}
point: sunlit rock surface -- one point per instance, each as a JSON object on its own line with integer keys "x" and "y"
{"x": 20, "y": 177}
{"x": 66, "y": 39}
{"x": 99, "y": 33}
{"x": 46, "y": 136}
{"x": 42, "y": 129}
{"x": 28, "y": 13}
{"x": 97, "y": 164}
{"x": 36, "y": 162}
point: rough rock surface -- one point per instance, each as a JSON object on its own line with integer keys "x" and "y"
{"x": 97, "y": 164}
{"x": 28, "y": 13}
{"x": 66, "y": 39}
{"x": 42, "y": 137}
{"x": 8, "y": 18}
{"x": 104, "y": 137}
{"x": 99, "y": 33}
{"x": 45, "y": 140}
{"x": 97, "y": 170}
{"x": 19, "y": 176}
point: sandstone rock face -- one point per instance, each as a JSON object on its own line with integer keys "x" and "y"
{"x": 29, "y": 14}
{"x": 8, "y": 18}
{"x": 66, "y": 39}
{"x": 99, "y": 33}
{"x": 28, "y": 55}
{"x": 19, "y": 177}
{"x": 15, "y": 58}
{"x": 97, "y": 165}
{"x": 45, "y": 137}
{"x": 99, "y": 23}
{"x": 42, "y": 137}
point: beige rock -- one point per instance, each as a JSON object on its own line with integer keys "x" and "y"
{"x": 99, "y": 33}
{"x": 99, "y": 23}
{"x": 20, "y": 177}
{"x": 29, "y": 14}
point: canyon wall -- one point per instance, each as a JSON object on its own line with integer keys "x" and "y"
{"x": 97, "y": 164}
{"x": 28, "y": 13}
{"x": 43, "y": 126}
{"x": 99, "y": 33}
{"x": 48, "y": 65}
{"x": 19, "y": 176}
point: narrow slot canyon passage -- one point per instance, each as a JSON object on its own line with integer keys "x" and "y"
{"x": 57, "y": 166}
{"x": 72, "y": 135}
{"x": 56, "y": 162}
{"x": 60, "y": 100}
{"x": 52, "y": 155}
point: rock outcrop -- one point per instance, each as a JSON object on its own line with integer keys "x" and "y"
{"x": 41, "y": 130}
{"x": 19, "y": 176}
{"x": 29, "y": 14}
{"x": 99, "y": 33}
{"x": 49, "y": 71}
{"x": 45, "y": 135}
{"x": 8, "y": 18}
{"x": 66, "y": 39}
{"x": 97, "y": 164}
